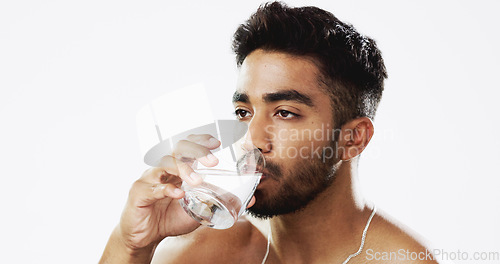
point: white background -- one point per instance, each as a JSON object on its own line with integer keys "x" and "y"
{"x": 73, "y": 74}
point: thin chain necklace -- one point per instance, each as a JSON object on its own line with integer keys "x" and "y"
{"x": 363, "y": 237}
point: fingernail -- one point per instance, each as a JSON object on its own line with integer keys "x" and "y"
{"x": 177, "y": 191}
{"x": 211, "y": 158}
{"x": 213, "y": 142}
{"x": 194, "y": 177}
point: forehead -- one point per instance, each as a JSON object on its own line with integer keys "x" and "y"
{"x": 265, "y": 72}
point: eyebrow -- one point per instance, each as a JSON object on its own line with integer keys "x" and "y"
{"x": 285, "y": 95}
{"x": 240, "y": 97}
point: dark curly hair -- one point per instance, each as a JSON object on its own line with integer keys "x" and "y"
{"x": 351, "y": 65}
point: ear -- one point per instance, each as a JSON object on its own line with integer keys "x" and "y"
{"x": 354, "y": 137}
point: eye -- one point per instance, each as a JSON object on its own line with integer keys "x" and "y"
{"x": 284, "y": 114}
{"x": 241, "y": 114}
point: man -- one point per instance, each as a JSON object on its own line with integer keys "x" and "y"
{"x": 303, "y": 73}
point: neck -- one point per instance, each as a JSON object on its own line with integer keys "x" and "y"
{"x": 330, "y": 227}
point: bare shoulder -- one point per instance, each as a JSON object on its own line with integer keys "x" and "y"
{"x": 206, "y": 245}
{"x": 389, "y": 241}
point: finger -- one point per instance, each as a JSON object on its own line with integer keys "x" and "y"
{"x": 159, "y": 175}
{"x": 188, "y": 174}
{"x": 188, "y": 151}
{"x": 161, "y": 191}
{"x": 204, "y": 140}
{"x": 183, "y": 172}
{"x": 181, "y": 169}
{"x": 169, "y": 164}
{"x": 172, "y": 170}
{"x": 144, "y": 193}
{"x": 252, "y": 202}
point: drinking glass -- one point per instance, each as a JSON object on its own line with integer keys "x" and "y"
{"x": 226, "y": 189}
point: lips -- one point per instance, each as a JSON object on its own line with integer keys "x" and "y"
{"x": 264, "y": 174}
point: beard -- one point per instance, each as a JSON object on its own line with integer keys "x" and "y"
{"x": 298, "y": 185}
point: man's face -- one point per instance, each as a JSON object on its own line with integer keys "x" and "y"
{"x": 290, "y": 119}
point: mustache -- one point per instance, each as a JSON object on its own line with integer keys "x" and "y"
{"x": 272, "y": 170}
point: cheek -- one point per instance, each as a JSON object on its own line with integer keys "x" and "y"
{"x": 301, "y": 143}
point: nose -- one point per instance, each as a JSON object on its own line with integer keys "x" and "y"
{"x": 258, "y": 135}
